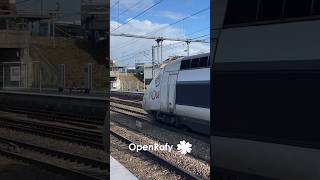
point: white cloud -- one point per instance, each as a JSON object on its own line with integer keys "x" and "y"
{"x": 172, "y": 15}
{"x": 126, "y": 50}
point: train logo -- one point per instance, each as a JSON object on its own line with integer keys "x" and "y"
{"x": 155, "y": 95}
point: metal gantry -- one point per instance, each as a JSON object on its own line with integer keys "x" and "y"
{"x": 159, "y": 41}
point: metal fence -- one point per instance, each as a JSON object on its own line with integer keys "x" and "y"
{"x": 38, "y": 75}
{"x": 26, "y": 75}
{"x": 14, "y": 75}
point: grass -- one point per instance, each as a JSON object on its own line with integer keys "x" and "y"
{"x": 75, "y": 54}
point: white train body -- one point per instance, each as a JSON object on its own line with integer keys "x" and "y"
{"x": 181, "y": 91}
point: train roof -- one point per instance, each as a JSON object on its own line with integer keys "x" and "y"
{"x": 175, "y": 65}
{"x": 196, "y": 56}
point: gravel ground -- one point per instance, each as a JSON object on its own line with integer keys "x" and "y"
{"x": 195, "y": 166}
{"x": 14, "y": 170}
{"x": 140, "y": 165}
{"x": 200, "y": 149}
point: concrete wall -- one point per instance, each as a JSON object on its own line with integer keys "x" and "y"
{"x": 14, "y": 39}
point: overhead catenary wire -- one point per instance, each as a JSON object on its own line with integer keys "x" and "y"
{"x": 189, "y": 34}
{"x": 114, "y": 4}
{"x": 129, "y": 56}
{"x": 141, "y": 13}
{"x": 192, "y": 34}
{"x": 131, "y": 7}
{"x": 155, "y": 37}
{"x": 173, "y": 46}
{"x": 166, "y": 26}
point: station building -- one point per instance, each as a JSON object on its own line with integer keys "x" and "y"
{"x": 93, "y": 20}
{"x": 15, "y": 36}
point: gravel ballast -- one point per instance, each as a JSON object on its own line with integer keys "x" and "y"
{"x": 139, "y": 165}
{"x": 187, "y": 162}
{"x": 15, "y": 170}
{"x": 200, "y": 149}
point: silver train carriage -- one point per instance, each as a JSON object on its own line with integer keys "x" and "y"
{"x": 266, "y": 96}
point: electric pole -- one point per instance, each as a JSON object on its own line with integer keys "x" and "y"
{"x": 159, "y": 42}
{"x": 153, "y": 60}
{"x": 54, "y": 15}
{"x": 188, "y": 47}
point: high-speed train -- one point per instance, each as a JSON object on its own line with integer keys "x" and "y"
{"x": 179, "y": 93}
{"x": 266, "y": 89}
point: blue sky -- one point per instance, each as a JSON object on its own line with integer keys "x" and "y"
{"x": 167, "y": 12}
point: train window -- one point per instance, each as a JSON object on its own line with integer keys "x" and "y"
{"x": 203, "y": 62}
{"x": 241, "y": 11}
{"x": 185, "y": 64}
{"x": 297, "y": 8}
{"x": 270, "y": 9}
{"x": 195, "y": 63}
{"x": 316, "y": 7}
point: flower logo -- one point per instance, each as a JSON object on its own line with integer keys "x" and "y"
{"x": 184, "y": 147}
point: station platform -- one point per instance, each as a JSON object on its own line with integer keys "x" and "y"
{"x": 118, "y": 171}
{"x": 52, "y": 91}
{"x": 90, "y": 106}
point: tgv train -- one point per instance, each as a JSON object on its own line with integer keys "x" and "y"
{"x": 266, "y": 89}
{"x": 180, "y": 93}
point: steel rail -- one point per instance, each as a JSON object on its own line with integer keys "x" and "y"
{"x": 68, "y": 156}
{"x": 56, "y": 133}
{"x": 145, "y": 119}
{"x": 52, "y": 167}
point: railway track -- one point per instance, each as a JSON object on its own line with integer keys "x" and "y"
{"x": 142, "y": 120}
{"x": 80, "y": 136}
{"x": 52, "y": 116}
{"x": 185, "y": 174}
{"x": 127, "y": 95}
{"x": 79, "y": 167}
{"x": 140, "y": 115}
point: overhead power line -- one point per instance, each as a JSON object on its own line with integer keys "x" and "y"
{"x": 166, "y": 26}
{"x": 124, "y": 11}
{"x": 114, "y": 4}
{"x": 144, "y": 11}
{"x": 173, "y": 44}
{"x": 156, "y": 38}
{"x": 180, "y": 20}
{"x": 148, "y": 50}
